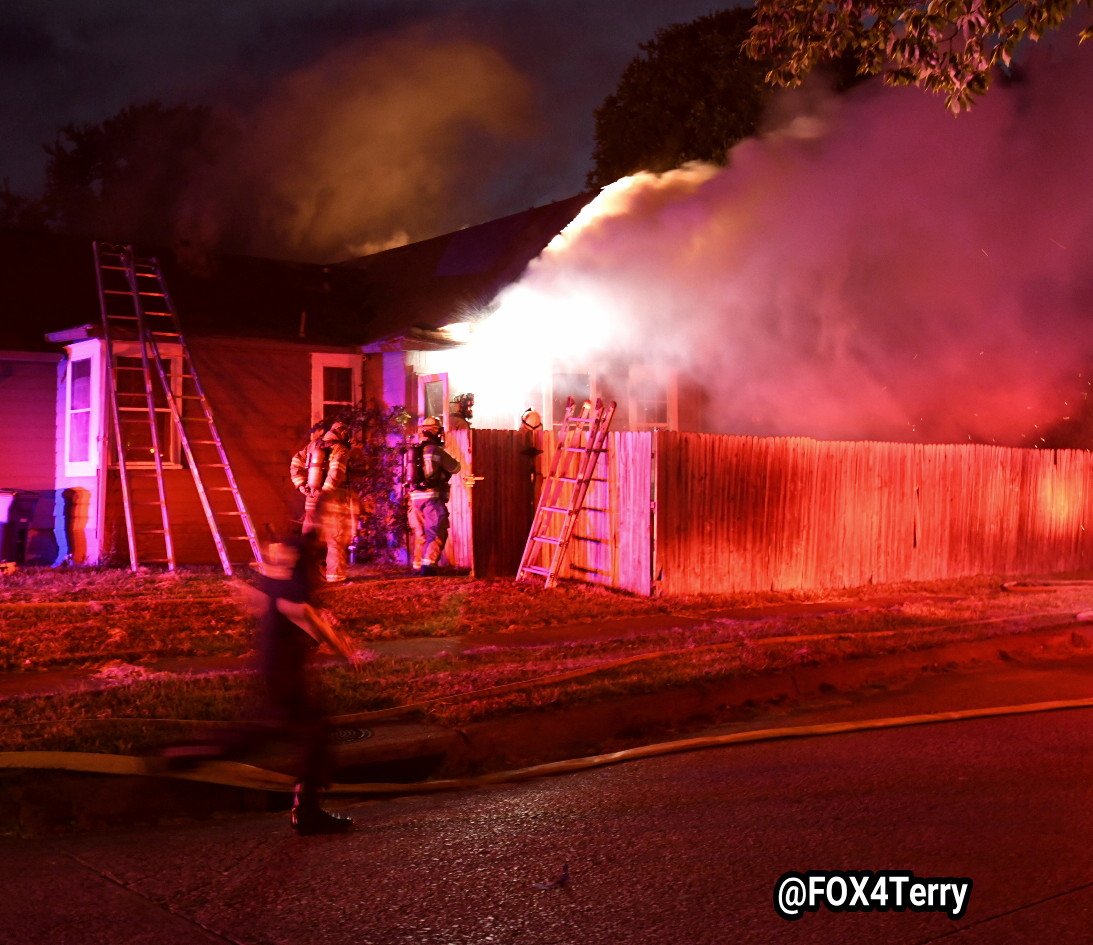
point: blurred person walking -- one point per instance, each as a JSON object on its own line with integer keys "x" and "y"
{"x": 290, "y": 630}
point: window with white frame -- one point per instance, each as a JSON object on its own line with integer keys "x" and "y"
{"x": 432, "y": 397}
{"x": 581, "y": 385}
{"x": 335, "y": 384}
{"x": 654, "y": 398}
{"x": 82, "y": 414}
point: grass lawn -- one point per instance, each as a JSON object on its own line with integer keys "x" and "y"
{"x": 91, "y": 618}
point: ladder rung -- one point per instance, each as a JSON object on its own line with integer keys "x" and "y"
{"x": 534, "y": 569}
{"x": 545, "y": 540}
{"x": 554, "y": 508}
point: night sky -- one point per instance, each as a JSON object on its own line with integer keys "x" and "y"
{"x": 415, "y": 116}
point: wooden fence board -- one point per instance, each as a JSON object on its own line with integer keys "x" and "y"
{"x": 683, "y": 513}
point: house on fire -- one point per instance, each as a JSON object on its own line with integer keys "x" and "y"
{"x": 673, "y": 508}
{"x": 277, "y": 346}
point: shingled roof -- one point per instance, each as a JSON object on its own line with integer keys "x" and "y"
{"x": 47, "y": 284}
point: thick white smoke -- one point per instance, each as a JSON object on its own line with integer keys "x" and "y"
{"x": 876, "y": 268}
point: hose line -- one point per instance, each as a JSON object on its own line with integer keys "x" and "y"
{"x": 236, "y": 774}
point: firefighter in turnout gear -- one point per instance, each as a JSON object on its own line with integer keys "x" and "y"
{"x": 430, "y": 469}
{"x": 318, "y": 471}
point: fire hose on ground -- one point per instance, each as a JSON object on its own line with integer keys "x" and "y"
{"x": 235, "y": 774}
{"x": 241, "y": 775}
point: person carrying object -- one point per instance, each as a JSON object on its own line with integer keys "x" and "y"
{"x": 290, "y": 630}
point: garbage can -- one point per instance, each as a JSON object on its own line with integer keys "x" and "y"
{"x": 16, "y": 515}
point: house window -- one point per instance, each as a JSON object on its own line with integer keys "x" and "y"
{"x": 335, "y": 385}
{"x": 432, "y": 397}
{"x": 580, "y": 385}
{"x": 83, "y": 409}
{"x": 136, "y": 431}
{"x": 654, "y": 401}
{"x": 78, "y": 434}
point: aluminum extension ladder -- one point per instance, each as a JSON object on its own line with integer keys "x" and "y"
{"x": 581, "y": 441}
{"x": 149, "y": 403}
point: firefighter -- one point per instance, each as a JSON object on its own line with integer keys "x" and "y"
{"x": 318, "y": 471}
{"x": 430, "y": 469}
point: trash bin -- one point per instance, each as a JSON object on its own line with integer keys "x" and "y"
{"x": 16, "y": 515}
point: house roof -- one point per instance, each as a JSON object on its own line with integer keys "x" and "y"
{"x": 47, "y": 284}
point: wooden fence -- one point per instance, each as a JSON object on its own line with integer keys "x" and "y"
{"x": 750, "y": 513}
{"x": 679, "y": 513}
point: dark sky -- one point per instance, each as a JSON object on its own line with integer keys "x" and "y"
{"x": 479, "y": 107}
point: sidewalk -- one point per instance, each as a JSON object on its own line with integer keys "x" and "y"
{"x": 407, "y": 750}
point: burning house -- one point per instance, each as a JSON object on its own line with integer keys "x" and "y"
{"x": 860, "y": 352}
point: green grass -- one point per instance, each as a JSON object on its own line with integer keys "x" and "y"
{"x": 87, "y": 618}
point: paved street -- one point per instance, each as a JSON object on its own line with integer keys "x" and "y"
{"x": 685, "y": 848}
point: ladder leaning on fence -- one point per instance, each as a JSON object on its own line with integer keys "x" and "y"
{"x": 150, "y": 403}
{"x": 581, "y": 441}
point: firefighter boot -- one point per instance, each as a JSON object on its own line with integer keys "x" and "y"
{"x": 309, "y": 818}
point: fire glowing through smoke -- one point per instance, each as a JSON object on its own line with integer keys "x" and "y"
{"x": 895, "y": 273}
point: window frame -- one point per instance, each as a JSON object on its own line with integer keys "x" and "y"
{"x": 666, "y": 377}
{"x": 90, "y": 351}
{"x": 423, "y": 380}
{"x": 594, "y": 384}
{"x": 325, "y": 359}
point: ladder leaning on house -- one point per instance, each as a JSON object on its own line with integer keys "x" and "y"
{"x": 149, "y": 403}
{"x": 581, "y": 441}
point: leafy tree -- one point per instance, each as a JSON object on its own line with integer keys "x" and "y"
{"x": 945, "y": 46}
{"x": 689, "y": 95}
{"x": 126, "y": 178}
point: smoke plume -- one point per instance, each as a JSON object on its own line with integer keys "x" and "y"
{"x": 873, "y": 268}
{"x": 369, "y": 147}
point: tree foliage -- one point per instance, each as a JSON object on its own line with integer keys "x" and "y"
{"x": 377, "y": 437}
{"x": 127, "y": 177}
{"x": 690, "y": 94}
{"x": 945, "y": 46}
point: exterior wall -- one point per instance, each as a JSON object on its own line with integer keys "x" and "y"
{"x": 386, "y": 378}
{"x": 28, "y": 445}
{"x": 28, "y": 419}
{"x": 260, "y": 395}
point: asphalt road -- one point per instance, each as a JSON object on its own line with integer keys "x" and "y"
{"x": 680, "y": 849}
